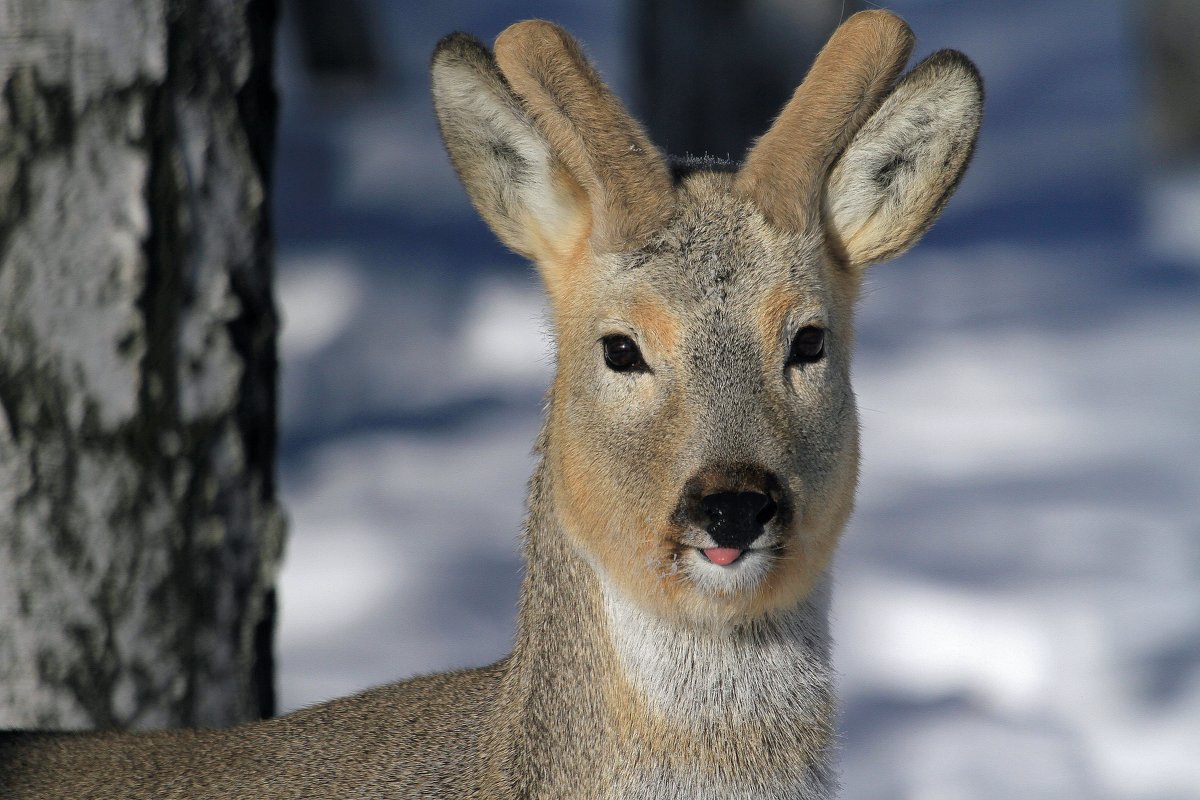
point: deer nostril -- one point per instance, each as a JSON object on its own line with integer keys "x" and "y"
{"x": 767, "y": 512}
{"x": 714, "y": 506}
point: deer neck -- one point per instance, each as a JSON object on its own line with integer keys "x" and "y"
{"x": 655, "y": 709}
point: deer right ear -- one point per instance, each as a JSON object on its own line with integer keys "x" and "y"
{"x": 520, "y": 189}
{"x": 906, "y": 160}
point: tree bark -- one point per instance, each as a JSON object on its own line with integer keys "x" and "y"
{"x": 1170, "y": 63}
{"x": 139, "y": 531}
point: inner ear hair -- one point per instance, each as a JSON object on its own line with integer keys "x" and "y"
{"x": 897, "y": 173}
{"x": 504, "y": 163}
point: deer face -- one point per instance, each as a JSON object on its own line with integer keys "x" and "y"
{"x": 702, "y": 440}
{"x": 705, "y": 438}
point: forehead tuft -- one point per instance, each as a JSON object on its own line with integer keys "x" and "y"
{"x": 719, "y": 246}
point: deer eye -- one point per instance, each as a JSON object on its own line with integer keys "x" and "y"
{"x": 808, "y": 346}
{"x": 621, "y": 354}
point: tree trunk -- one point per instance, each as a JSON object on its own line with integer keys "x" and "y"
{"x": 1170, "y": 65}
{"x": 139, "y": 531}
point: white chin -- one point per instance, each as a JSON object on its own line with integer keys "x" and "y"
{"x": 745, "y": 573}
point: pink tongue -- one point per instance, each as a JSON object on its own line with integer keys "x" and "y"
{"x": 722, "y": 556}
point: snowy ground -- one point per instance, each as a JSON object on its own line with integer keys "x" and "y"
{"x": 1018, "y": 600}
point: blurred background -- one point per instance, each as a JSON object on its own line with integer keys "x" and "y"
{"x": 1017, "y": 605}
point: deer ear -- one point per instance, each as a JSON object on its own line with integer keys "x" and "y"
{"x": 549, "y": 156}
{"x": 902, "y": 165}
{"x": 506, "y": 165}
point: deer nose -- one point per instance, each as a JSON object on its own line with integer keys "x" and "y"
{"x": 736, "y": 519}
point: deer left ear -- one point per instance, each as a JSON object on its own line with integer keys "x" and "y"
{"x": 898, "y": 171}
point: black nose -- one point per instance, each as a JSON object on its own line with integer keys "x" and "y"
{"x": 735, "y": 519}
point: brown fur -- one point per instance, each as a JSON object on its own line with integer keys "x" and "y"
{"x": 655, "y": 320}
{"x": 641, "y": 669}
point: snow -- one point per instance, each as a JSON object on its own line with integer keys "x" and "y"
{"x": 1017, "y": 599}
{"x": 1171, "y": 213}
{"x": 319, "y": 294}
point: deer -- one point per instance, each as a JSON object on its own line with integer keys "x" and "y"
{"x": 697, "y": 465}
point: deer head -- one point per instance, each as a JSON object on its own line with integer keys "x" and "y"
{"x": 702, "y": 440}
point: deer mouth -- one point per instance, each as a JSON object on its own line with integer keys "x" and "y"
{"x": 722, "y": 556}
{"x": 726, "y": 571}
